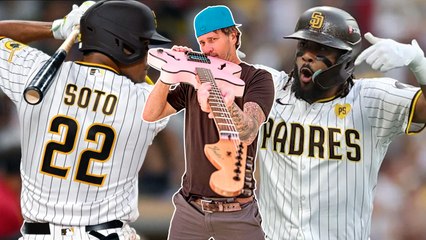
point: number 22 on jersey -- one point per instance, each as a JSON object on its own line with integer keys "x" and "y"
{"x": 69, "y": 136}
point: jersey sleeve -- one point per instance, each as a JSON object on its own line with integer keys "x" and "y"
{"x": 18, "y": 64}
{"x": 389, "y": 105}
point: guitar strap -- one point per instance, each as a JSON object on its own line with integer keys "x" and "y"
{"x": 248, "y": 178}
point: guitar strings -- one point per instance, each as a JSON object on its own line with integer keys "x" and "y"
{"x": 216, "y": 96}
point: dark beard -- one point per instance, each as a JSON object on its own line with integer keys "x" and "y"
{"x": 310, "y": 93}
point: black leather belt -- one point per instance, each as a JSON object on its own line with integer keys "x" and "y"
{"x": 43, "y": 228}
{"x": 220, "y": 205}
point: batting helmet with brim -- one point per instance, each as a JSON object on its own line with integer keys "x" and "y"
{"x": 329, "y": 26}
{"x": 120, "y": 30}
{"x": 335, "y": 28}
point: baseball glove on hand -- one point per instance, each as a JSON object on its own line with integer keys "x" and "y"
{"x": 62, "y": 28}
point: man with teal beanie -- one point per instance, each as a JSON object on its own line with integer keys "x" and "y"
{"x": 200, "y": 212}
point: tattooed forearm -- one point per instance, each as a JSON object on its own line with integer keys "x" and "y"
{"x": 247, "y": 122}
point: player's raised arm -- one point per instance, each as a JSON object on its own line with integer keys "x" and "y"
{"x": 29, "y": 31}
{"x": 25, "y": 31}
{"x": 387, "y": 54}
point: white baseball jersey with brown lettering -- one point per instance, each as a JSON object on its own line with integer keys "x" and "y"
{"x": 319, "y": 162}
{"x": 83, "y": 145}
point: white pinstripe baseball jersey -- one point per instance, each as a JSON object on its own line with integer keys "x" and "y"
{"x": 83, "y": 145}
{"x": 319, "y": 163}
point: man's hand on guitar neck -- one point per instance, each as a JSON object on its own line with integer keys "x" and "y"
{"x": 181, "y": 49}
{"x": 203, "y": 94}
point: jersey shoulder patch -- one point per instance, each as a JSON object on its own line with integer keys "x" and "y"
{"x": 12, "y": 47}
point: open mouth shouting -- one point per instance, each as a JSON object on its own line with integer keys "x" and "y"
{"x": 306, "y": 74}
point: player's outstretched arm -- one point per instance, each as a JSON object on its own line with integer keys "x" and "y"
{"x": 29, "y": 31}
{"x": 25, "y": 31}
{"x": 387, "y": 54}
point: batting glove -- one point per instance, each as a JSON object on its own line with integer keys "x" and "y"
{"x": 62, "y": 28}
{"x": 387, "y": 54}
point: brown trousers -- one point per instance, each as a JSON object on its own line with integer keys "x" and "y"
{"x": 190, "y": 223}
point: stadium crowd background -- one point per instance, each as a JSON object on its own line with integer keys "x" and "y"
{"x": 400, "y": 203}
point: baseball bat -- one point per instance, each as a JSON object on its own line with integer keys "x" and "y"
{"x": 40, "y": 84}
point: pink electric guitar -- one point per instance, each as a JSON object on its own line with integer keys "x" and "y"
{"x": 228, "y": 155}
{"x": 177, "y": 67}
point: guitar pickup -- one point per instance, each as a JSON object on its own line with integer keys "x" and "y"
{"x": 229, "y": 135}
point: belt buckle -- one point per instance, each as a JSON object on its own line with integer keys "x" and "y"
{"x": 202, "y": 201}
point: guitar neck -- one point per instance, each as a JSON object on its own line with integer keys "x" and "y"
{"x": 221, "y": 115}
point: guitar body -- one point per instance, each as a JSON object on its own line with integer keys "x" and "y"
{"x": 177, "y": 67}
{"x": 228, "y": 180}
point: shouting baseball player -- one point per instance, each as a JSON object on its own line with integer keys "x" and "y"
{"x": 327, "y": 134}
{"x": 84, "y": 144}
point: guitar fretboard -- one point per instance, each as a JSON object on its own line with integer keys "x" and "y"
{"x": 221, "y": 115}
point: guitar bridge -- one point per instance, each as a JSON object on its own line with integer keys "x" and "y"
{"x": 231, "y": 135}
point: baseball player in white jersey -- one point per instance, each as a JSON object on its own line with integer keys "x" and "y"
{"x": 327, "y": 134}
{"x": 84, "y": 144}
